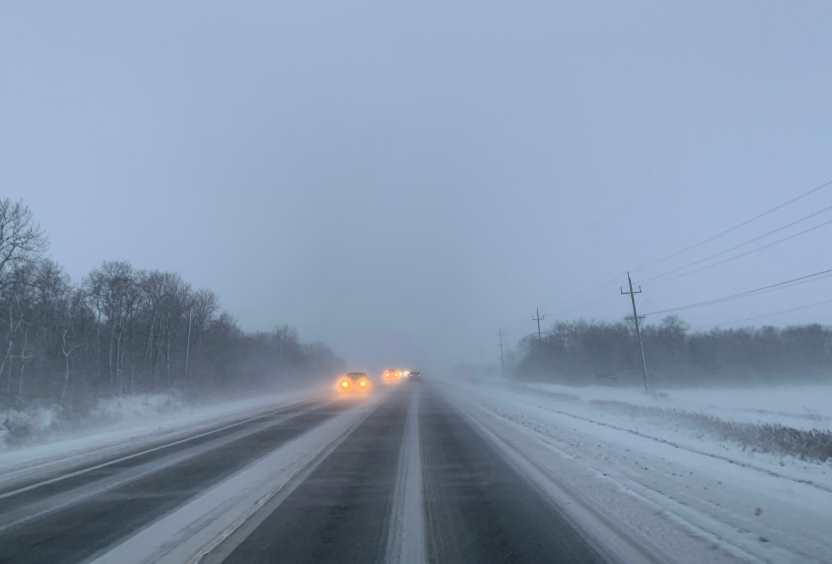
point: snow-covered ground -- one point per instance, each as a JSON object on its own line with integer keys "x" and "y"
{"x": 802, "y": 407}
{"x": 652, "y": 489}
{"x": 127, "y": 424}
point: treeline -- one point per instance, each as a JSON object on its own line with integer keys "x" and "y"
{"x": 584, "y": 353}
{"x": 125, "y": 330}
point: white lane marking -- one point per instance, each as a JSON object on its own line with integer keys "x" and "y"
{"x": 406, "y": 536}
{"x": 222, "y": 545}
{"x": 194, "y": 529}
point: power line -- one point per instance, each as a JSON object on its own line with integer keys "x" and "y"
{"x": 775, "y": 313}
{"x": 752, "y": 251}
{"x": 743, "y": 244}
{"x": 739, "y": 225}
{"x": 785, "y": 283}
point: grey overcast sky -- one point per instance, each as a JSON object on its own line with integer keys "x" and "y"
{"x": 401, "y": 179}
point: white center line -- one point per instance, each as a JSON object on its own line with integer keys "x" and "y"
{"x": 406, "y": 537}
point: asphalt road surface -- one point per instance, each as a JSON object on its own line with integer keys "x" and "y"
{"x": 70, "y": 520}
{"x": 478, "y": 508}
{"x": 412, "y": 482}
{"x": 341, "y": 512}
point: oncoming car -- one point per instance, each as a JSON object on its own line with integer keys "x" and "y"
{"x": 354, "y": 383}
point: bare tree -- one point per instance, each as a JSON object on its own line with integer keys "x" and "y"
{"x": 21, "y": 241}
{"x": 122, "y": 330}
{"x": 67, "y": 349}
{"x": 20, "y": 238}
{"x": 13, "y": 326}
{"x": 18, "y": 300}
{"x": 25, "y": 356}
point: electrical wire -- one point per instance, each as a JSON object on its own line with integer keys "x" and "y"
{"x": 755, "y": 291}
{"x": 752, "y": 251}
{"x": 737, "y": 226}
{"x": 742, "y": 244}
{"x": 775, "y": 313}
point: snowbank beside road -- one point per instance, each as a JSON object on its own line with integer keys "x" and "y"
{"x": 48, "y": 422}
{"x": 697, "y": 428}
{"x": 768, "y": 428}
{"x": 121, "y": 408}
{"x": 652, "y": 491}
{"x": 802, "y": 406}
{"x": 129, "y": 424}
{"x": 33, "y": 421}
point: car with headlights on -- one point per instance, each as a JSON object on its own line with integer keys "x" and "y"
{"x": 391, "y": 376}
{"x": 354, "y": 383}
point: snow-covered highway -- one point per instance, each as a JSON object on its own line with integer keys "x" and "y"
{"x": 426, "y": 472}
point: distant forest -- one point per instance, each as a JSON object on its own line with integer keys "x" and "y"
{"x": 125, "y": 330}
{"x": 607, "y": 353}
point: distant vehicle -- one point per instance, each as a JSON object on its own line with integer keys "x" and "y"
{"x": 415, "y": 375}
{"x": 392, "y": 376}
{"x": 354, "y": 383}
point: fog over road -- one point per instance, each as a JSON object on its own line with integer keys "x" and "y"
{"x": 411, "y": 480}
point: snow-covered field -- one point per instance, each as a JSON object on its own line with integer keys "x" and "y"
{"x": 803, "y": 407}
{"x": 653, "y": 489}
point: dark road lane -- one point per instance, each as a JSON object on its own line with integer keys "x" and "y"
{"x": 478, "y": 508}
{"x": 340, "y": 513}
{"x": 78, "y": 531}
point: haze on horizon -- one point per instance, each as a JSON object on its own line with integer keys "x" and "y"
{"x": 400, "y": 182}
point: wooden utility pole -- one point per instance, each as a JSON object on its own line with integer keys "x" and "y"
{"x": 502, "y": 361}
{"x": 632, "y": 293}
{"x": 538, "y": 318}
{"x": 188, "y": 345}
